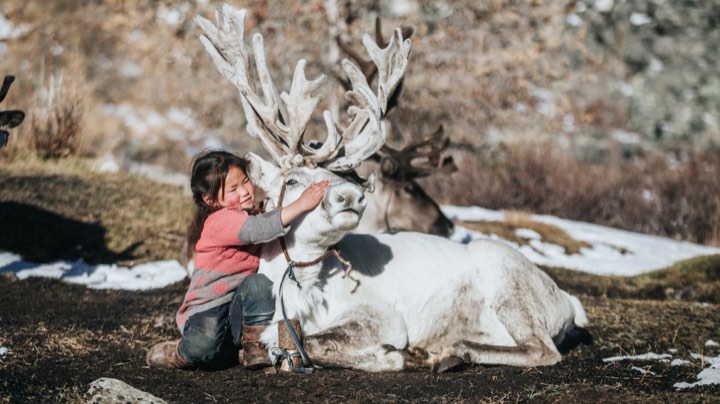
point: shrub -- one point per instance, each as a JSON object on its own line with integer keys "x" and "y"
{"x": 56, "y": 121}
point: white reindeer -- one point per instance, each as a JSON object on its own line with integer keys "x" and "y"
{"x": 449, "y": 303}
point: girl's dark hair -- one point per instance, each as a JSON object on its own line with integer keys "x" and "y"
{"x": 207, "y": 178}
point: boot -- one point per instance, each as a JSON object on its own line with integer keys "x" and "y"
{"x": 165, "y": 355}
{"x": 287, "y": 344}
{"x": 254, "y": 355}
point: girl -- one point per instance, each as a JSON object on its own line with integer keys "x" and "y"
{"x": 228, "y": 304}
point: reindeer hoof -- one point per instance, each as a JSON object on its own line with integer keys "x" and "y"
{"x": 450, "y": 364}
{"x": 408, "y": 361}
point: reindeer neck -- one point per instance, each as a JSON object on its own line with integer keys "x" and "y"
{"x": 301, "y": 254}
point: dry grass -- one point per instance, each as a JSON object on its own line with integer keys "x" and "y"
{"x": 56, "y": 120}
{"x": 695, "y": 279}
{"x": 474, "y": 70}
{"x": 652, "y": 194}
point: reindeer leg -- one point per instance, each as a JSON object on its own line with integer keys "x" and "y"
{"x": 366, "y": 339}
{"x": 534, "y": 346}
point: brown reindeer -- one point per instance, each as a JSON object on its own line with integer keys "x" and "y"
{"x": 399, "y": 203}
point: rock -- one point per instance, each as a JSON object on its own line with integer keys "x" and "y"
{"x": 106, "y": 390}
{"x": 604, "y": 6}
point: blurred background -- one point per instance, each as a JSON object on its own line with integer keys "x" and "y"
{"x": 602, "y": 111}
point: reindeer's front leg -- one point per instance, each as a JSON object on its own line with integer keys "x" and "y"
{"x": 365, "y": 338}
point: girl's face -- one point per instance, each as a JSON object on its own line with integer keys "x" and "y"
{"x": 239, "y": 191}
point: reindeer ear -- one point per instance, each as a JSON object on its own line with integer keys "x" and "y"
{"x": 388, "y": 166}
{"x": 261, "y": 173}
{"x": 369, "y": 184}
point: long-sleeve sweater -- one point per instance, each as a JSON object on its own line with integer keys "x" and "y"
{"x": 228, "y": 250}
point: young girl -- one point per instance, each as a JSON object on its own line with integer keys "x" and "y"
{"x": 228, "y": 304}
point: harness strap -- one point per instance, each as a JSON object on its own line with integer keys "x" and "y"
{"x": 330, "y": 251}
{"x": 296, "y": 339}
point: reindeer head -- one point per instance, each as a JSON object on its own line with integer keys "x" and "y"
{"x": 280, "y": 123}
{"x": 8, "y": 119}
{"x": 399, "y": 202}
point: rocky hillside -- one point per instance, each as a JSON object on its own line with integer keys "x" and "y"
{"x": 592, "y": 76}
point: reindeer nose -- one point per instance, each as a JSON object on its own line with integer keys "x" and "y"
{"x": 346, "y": 196}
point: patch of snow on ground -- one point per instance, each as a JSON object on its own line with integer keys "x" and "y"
{"x": 150, "y": 275}
{"x": 643, "y": 357}
{"x": 612, "y": 251}
{"x": 643, "y": 371}
{"x": 709, "y": 375}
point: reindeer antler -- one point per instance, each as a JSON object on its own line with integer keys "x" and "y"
{"x": 419, "y": 158}
{"x": 280, "y": 122}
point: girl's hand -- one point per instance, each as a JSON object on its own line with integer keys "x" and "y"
{"x": 313, "y": 195}
{"x": 310, "y": 198}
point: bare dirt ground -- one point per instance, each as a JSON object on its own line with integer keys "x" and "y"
{"x": 61, "y": 337}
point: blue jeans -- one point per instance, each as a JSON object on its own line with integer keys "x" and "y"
{"x": 211, "y": 338}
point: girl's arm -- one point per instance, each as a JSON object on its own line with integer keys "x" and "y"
{"x": 273, "y": 224}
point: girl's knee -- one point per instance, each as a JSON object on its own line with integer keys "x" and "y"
{"x": 255, "y": 285}
{"x": 258, "y": 303}
{"x": 198, "y": 349}
{"x": 204, "y": 334}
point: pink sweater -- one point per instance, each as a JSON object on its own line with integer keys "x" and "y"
{"x": 227, "y": 252}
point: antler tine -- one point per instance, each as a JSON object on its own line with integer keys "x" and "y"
{"x": 369, "y": 68}
{"x": 391, "y": 63}
{"x": 366, "y": 66}
{"x": 301, "y": 104}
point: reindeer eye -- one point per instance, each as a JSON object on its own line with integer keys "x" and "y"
{"x": 291, "y": 182}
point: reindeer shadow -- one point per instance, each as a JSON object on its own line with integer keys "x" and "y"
{"x": 41, "y": 236}
{"x": 574, "y": 338}
{"x": 367, "y": 254}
